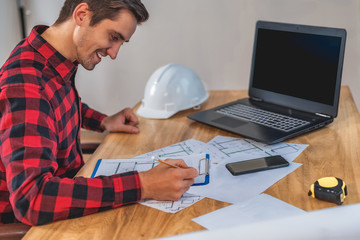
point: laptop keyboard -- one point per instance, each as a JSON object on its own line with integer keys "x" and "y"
{"x": 263, "y": 117}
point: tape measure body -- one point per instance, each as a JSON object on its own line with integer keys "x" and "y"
{"x": 329, "y": 189}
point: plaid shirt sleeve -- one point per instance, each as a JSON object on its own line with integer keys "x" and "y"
{"x": 91, "y": 119}
{"x": 29, "y": 145}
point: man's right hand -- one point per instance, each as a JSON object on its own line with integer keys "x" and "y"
{"x": 166, "y": 183}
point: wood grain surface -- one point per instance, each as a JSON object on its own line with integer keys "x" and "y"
{"x": 333, "y": 151}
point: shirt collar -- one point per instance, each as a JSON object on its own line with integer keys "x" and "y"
{"x": 62, "y": 65}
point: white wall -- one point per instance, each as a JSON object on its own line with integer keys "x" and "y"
{"x": 10, "y": 28}
{"x": 41, "y": 12}
{"x": 213, "y": 37}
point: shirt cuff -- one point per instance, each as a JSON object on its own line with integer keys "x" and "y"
{"x": 127, "y": 188}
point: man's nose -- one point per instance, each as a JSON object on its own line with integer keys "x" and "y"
{"x": 113, "y": 50}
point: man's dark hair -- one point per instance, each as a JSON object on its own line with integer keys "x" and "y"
{"x": 104, "y": 9}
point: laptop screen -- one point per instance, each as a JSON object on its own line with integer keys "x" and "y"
{"x": 298, "y": 62}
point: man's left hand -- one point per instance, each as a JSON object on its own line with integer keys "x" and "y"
{"x": 124, "y": 121}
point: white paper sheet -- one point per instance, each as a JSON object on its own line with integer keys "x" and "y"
{"x": 223, "y": 148}
{"x": 341, "y": 222}
{"x": 223, "y": 186}
{"x": 260, "y": 208}
{"x": 114, "y": 166}
{"x": 173, "y": 206}
{"x": 228, "y": 188}
{"x": 181, "y": 149}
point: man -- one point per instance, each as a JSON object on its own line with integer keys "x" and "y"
{"x": 41, "y": 115}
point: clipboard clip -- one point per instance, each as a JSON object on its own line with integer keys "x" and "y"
{"x": 204, "y": 161}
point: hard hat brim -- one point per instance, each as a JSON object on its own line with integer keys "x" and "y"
{"x": 153, "y": 113}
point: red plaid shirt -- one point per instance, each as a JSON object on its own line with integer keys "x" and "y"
{"x": 40, "y": 116}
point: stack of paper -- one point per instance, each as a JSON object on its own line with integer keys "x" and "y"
{"x": 220, "y": 184}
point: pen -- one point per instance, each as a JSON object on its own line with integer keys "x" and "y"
{"x": 161, "y": 161}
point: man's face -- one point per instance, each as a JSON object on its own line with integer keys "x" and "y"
{"x": 105, "y": 38}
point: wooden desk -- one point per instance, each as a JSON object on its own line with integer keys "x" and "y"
{"x": 333, "y": 151}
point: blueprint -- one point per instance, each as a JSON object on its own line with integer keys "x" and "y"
{"x": 180, "y": 149}
{"x": 185, "y": 150}
{"x": 233, "y": 189}
{"x": 108, "y": 167}
{"x": 115, "y": 166}
{"x": 225, "y": 148}
{"x": 173, "y": 207}
{"x": 222, "y": 186}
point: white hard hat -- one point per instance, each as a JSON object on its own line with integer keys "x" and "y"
{"x": 170, "y": 89}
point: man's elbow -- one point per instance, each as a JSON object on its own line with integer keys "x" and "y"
{"x": 26, "y": 213}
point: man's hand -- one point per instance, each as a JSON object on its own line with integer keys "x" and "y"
{"x": 166, "y": 183}
{"x": 124, "y": 121}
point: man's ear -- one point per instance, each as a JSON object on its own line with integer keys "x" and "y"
{"x": 82, "y": 14}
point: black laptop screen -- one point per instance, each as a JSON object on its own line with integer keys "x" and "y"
{"x": 297, "y": 64}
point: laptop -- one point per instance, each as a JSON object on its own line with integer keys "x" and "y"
{"x": 294, "y": 88}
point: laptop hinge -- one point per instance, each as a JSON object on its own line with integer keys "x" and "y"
{"x": 256, "y": 99}
{"x": 322, "y": 115}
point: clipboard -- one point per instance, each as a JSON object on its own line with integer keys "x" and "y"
{"x": 113, "y": 166}
{"x": 93, "y": 174}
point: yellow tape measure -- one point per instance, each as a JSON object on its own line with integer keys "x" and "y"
{"x": 331, "y": 189}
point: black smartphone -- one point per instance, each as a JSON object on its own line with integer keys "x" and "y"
{"x": 255, "y": 165}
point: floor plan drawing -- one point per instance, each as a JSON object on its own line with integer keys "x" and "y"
{"x": 222, "y": 148}
{"x": 173, "y": 207}
{"x": 180, "y": 149}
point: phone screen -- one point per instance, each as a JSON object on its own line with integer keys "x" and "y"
{"x": 255, "y": 165}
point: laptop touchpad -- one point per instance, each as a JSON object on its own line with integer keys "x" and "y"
{"x": 231, "y": 122}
